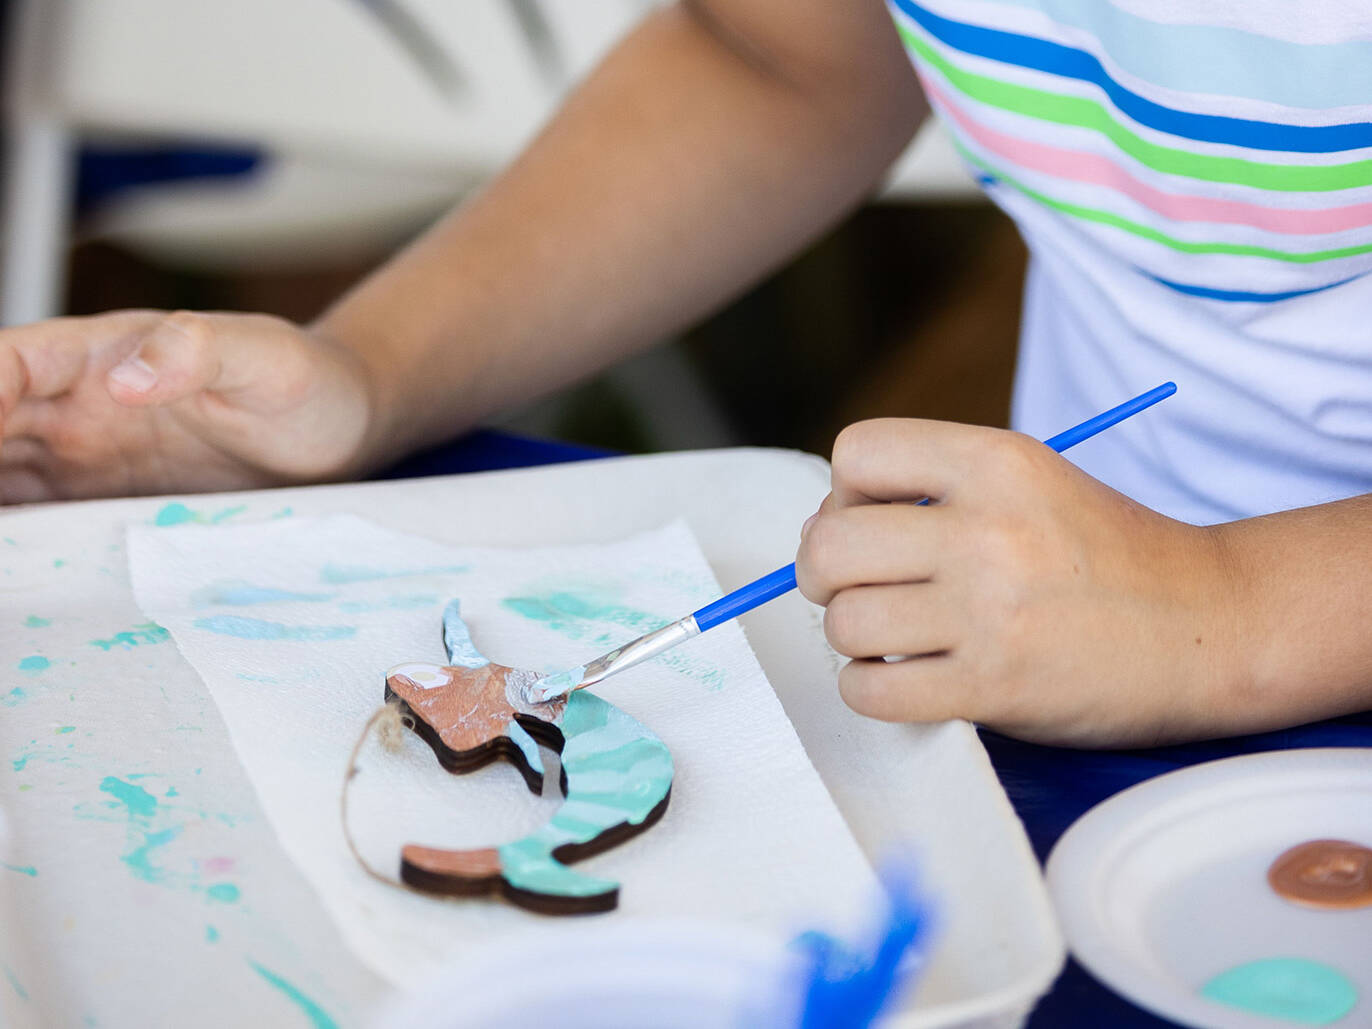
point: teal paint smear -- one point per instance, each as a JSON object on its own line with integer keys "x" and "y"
{"x": 211, "y": 934}
{"x": 242, "y": 594}
{"x": 18, "y": 987}
{"x": 617, "y": 772}
{"x": 28, "y": 870}
{"x": 177, "y": 513}
{"x": 19, "y": 762}
{"x": 407, "y": 602}
{"x": 1293, "y": 989}
{"x": 58, "y": 563}
{"x": 138, "y": 860}
{"x": 14, "y": 697}
{"x": 571, "y": 614}
{"x": 62, "y": 730}
{"x": 318, "y": 1017}
{"x": 34, "y": 622}
{"x": 140, "y": 802}
{"x": 34, "y": 663}
{"x": 342, "y": 575}
{"x": 259, "y": 629}
{"x": 147, "y": 634}
{"x": 225, "y": 893}
{"x": 582, "y": 616}
{"x": 269, "y": 680}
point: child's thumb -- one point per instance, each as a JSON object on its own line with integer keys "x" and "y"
{"x": 186, "y": 352}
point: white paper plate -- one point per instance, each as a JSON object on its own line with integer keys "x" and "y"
{"x": 1164, "y": 886}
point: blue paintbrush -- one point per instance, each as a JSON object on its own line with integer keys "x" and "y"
{"x": 783, "y": 580}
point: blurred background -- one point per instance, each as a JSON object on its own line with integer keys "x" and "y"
{"x": 262, "y": 155}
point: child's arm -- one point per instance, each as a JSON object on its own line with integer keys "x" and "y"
{"x": 1053, "y": 608}
{"x": 712, "y": 142}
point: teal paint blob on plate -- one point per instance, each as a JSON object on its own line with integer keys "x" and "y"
{"x": 225, "y": 893}
{"x": 1293, "y": 989}
{"x": 138, "y": 800}
{"x": 211, "y": 934}
{"x": 34, "y": 663}
{"x": 35, "y": 622}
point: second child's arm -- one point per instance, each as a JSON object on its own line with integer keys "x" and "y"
{"x": 714, "y": 141}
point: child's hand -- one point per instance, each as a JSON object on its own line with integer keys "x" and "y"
{"x": 1040, "y": 602}
{"x": 147, "y": 402}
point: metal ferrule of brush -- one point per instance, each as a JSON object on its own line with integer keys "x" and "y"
{"x": 641, "y": 649}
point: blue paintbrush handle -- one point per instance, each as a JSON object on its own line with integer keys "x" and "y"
{"x": 783, "y": 580}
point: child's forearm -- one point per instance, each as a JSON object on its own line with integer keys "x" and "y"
{"x": 1303, "y": 614}
{"x": 695, "y": 159}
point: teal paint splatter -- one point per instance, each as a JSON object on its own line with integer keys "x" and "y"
{"x": 259, "y": 629}
{"x": 147, "y": 634}
{"x": 225, "y": 893}
{"x": 139, "y": 860}
{"x": 399, "y": 603}
{"x": 177, "y": 513}
{"x": 171, "y": 792}
{"x": 58, "y": 563}
{"x": 18, "y": 987}
{"x": 14, "y": 697}
{"x": 1293, "y": 989}
{"x": 139, "y": 801}
{"x": 319, "y": 1018}
{"x": 11, "y": 542}
{"x": 242, "y": 594}
{"x": 28, "y": 870}
{"x": 34, "y": 622}
{"x": 174, "y": 514}
{"x": 62, "y": 730}
{"x": 341, "y": 575}
{"x": 34, "y": 663}
{"x": 285, "y": 512}
{"x": 211, "y": 934}
{"x": 19, "y": 762}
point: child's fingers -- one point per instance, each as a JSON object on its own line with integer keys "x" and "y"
{"x": 919, "y": 689}
{"x": 873, "y": 621}
{"x": 877, "y": 543}
{"x": 46, "y": 359}
{"x": 905, "y": 459}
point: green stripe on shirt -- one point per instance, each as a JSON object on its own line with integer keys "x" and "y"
{"x": 1061, "y": 109}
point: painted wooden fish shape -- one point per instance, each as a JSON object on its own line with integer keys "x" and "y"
{"x": 616, "y": 775}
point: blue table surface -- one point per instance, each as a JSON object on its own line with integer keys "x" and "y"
{"x": 1050, "y": 787}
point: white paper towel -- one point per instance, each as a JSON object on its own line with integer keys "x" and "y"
{"x": 293, "y": 623}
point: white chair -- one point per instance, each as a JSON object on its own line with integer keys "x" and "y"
{"x": 367, "y": 137}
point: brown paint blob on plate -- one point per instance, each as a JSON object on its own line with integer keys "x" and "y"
{"x": 1333, "y": 874}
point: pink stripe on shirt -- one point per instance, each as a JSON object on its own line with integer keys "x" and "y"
{"x": 1078, "y": 166}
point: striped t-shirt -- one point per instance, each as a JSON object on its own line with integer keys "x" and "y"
{"x": 1194, "y": 181}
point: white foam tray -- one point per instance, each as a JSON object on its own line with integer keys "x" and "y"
{"x": 87, "y": 940}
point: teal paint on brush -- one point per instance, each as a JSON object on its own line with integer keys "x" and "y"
{"x": 34, "y": 664}
{"x": 259, "y": 629}
{"x": 319, "y": 1018}
{"x": 1293, "y": 989}
{"x": 140, "y": 803}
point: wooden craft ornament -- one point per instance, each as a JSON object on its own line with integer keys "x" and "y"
{"x": 616, "y": 775}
